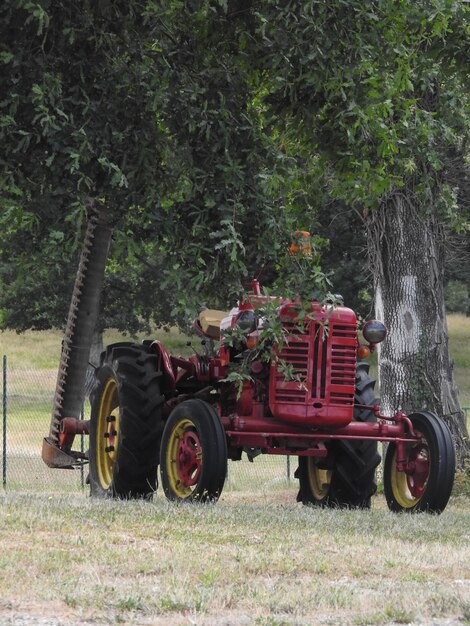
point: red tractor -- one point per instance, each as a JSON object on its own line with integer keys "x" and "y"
{"x": 150, "y": 409}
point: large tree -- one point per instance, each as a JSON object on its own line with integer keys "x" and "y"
{"x": 76, "y": 128}
{"x": 148, "y": 110}
{"x": 135, "y": 115}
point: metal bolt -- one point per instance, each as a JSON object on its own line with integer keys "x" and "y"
{"x": 109, "y": 449}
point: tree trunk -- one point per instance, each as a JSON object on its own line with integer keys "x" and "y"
{"x": 407, "y": 253}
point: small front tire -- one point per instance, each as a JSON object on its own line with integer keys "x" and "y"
{"x": 427, "y": 483}
{"x": 193, "y": 455}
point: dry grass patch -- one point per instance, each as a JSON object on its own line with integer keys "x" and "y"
{"x": 256, "y": 558}
{"x": 40, "y": 350}
{"x": 233, "y": 563}
{"x": 459, "y": 345}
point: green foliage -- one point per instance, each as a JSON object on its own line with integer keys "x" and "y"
{"x": 457, "y": 297}
{"x": 234, "y": 215}
{"x": 345, "y": 259}
{"x": 270, "y": 335}
{"x": 75, "y": 124}
{"x": 212, "y": 131}
{"x": 149, "y": 108}
{"x": 378, "y": 89}
{"x": 306, "y": 284}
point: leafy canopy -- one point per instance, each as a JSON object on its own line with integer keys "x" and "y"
{"x": 212, "y": 130}
{"x": 150, "y": 110}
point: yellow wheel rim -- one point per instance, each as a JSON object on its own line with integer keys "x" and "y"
{"x": 408, "y": 488}
{"x": 183, "y": 459}
{"x": 319, "y": 479}
{"x": 107, "y": 433}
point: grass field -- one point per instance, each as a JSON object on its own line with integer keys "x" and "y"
{"x": 41, "y": 350}
{"x": 459, "y": 341}
{"x": 32, "y": 370}
{"x": 255, "y": 558}
{"x": 248, "y": 560}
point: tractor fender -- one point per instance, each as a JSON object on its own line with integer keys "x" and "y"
{"x": 164, "y": 365}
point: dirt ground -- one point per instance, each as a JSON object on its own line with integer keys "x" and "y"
{"x": 24, "y": 613}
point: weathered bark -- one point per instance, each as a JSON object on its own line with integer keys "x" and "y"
{"x": 415, "y": 371}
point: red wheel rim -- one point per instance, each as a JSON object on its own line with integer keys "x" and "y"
{"x": 189, "y": 458}
{"x": 417, "y": 475}
{"x": 409, "y": 486}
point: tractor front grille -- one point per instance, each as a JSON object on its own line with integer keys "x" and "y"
{"x": 343, "y": 364}
{"x": 323, "y": 362}
{"x": 296, "y": 354}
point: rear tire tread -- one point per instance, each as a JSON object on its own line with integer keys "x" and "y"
{"x": 141, "y": 423}
{"x": 353, "y": 478}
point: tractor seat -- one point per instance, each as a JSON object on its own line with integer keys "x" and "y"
{"x": 209, "y": 322}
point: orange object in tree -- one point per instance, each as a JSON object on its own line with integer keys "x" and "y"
{"x": 301, "y": 246}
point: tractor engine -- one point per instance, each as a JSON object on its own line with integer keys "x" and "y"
{"x": 323, "y": 358}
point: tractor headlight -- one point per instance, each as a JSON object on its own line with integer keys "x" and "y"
{"x": 374, "y": 331}
{"x": 247, "y": 321}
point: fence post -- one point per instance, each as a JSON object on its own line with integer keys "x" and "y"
{"x": 82, "y": 449}
{"x": 4, "y": 438}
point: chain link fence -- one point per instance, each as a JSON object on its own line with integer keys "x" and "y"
{"x": 26, "y": 398}
{"x": 26, "y": 412}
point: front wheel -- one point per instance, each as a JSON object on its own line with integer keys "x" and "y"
{"x": 427, "y": 481}
{"x": 193, "y": 454}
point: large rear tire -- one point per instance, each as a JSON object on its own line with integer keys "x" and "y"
{"x": 427, "y": 483}
{"x": 193, "y": 456}
{"x": 126, "y": 423}
{"x": 346, "y": 478}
